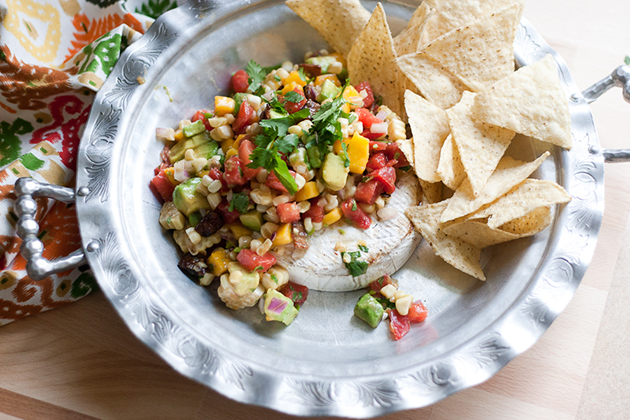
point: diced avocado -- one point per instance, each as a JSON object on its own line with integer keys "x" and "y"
{"x": 275, "y": 114}
{"x": 239, "y": 98}
{"x": 252, "y": 220}
{"x": 248, "y": 281}
{"x": 369, "y": 310}
{"x": 187, "y": 199}
{"x": 178, "y": 151}
{"x": 329, "y": 91}
{"x": 323, "y": 61}
{"x": 194, "y": 218}
{"x": 278, "y": 307}
{"x": 207, "y": 149}
{"x": 194, "y": 128}
{"x": 334, "y": 172}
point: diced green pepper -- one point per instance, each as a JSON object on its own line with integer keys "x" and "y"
{"x": 369, "y": 310}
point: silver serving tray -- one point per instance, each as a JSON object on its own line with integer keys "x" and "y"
{"x": 327, "y": 362}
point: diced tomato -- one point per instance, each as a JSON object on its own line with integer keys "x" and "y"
{"x": 296, "y": 292}
{"x": 387, "y": 177}
{"x": 240, "y": 81}
{"x": 245, "y": 148}
{"x": 316, "y": 213}
{"x": 252, "y": 261}
{"x": 369, "y": 99}
{"x": 224, "y": 210}
{"x": 367, "y": 118}
{"x": 201, "y": 115}
{"x": 368, "y": 192}
{"x": 398, "y": 324}
{"x": 378, "y": 146}
{"x": 293, "y": 107}
{"x": 274, "y": 182}
{"x": 215, "y": 174}
{"x": 372, "y": 136}
{"x": 356, "y": 215}
{"x": 377, "y": 161}
{"x": 379, "y": 283}
{"x": 246, "y": 116}
{"x": 394, "y": 152}
{"x": 234, "y": 172}
{"x": 163, "y": 186}
{"x": 288, "y": 212}
{"x": 417, "y": 312}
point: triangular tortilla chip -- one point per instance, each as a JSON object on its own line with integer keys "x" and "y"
{"x": 531, "y": 102}
{"x": 481, "y": 52}
{"x": 509, "y": 172}
{"x": 339, "y": 21}
{"x": 432, "y": 81}
{"x": 408, "y": 40}
{"x": 451, "y": 14}
{"x": 429, "y": 126}
{"x": 431, "y": 191}
{"x": 459, "y": 254}
{"x": 480, "y": 145}
{"x": 450, "y": 169}
{"x": 478, "y": 233}
{"x": 372, "y": 59}
{"x": 406, "y": 146}
{"x": 530, "y": 224}
{"x": 523, "y": 199}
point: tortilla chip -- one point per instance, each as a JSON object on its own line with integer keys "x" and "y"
{"x": 459, "y": 254}
{"x": 450, "y": 169}
{"x": 530, "y": 224}
{"x": 509, "y": 172}
{"x": 480, "y": 145}
{"x": 478, "y": 233}
{"x": 408, "y": 41}
{"x": 481, "y": 52}
{"x": 339, "y": 22}
{"x": 406, "y": 147}
{"x": 431, "y": 192}
{"x": 531, "y": 101}
{"x": 451, "y": 14}
{"x": 431, "y": 79}
{"x": 429, "y": 126}
{"x": 523, "y": 199}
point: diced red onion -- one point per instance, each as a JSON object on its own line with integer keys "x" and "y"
{"x": 379, "y": 128}
{"x": 277, "y": 305}
{"x": 382, "y": 115}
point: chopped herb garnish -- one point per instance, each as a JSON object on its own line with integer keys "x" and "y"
{"x": 274, "y": 278}
{"x": 364, "y": 248}
{"x": 627, "y": 60}
{"x": 259, "y": 268}
{"x": 278, "y": 79}
{"x": 257, "y": 75}
{"x": 352, "y": 118}
{"x": 354, "y": 205}
{"x": 342, "y": 232}
{"x": 294, "y": 97}
{"x": 356, "y": 266}
{"x": 240, "y": 202}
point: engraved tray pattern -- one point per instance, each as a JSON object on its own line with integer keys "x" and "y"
{"x": 166, "y": 323}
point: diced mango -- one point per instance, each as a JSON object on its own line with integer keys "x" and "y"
{"x": 307, "y": 192}
{"x": 358, "y": 153}
{"x": 351, "y": 95}
{"x": 319, "y": 80}
{"x": 283, "y": 235}
{"x": 237, "y": 142}
{"x": 294, "y": 76}
{"x": 332, "y": 216}
{"x": 290, "y": 87}
{"x": 346, "y": 108}
{"x": 226, "y": 145}
{"x": 179, "y": 135}
{"x": 337, "y": 146}
{"x": 231, "y": 152}
{"x": 339, "y": 58}
{"x": 170, "y": 175}
{"x": 223, "y": 105}
{"x": 219, "y": 259}
{"x": 239, "y": 230}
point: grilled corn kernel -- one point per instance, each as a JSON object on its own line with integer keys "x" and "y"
{"x": 388, "y": 291}
{"x": 403, "y": 304}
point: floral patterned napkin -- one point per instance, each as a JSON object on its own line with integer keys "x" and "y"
{"x": 54, "y": 56}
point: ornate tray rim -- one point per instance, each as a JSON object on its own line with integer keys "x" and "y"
{"x": 475, "y": 361}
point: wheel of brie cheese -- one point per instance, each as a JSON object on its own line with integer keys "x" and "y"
{"x": 390, "y": 243}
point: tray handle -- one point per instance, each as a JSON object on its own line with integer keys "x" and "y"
{"x": 619, "y": 77}
{"x": 32, "y": 248}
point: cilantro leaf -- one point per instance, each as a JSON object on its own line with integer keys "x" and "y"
{"x": 287, "y": 144}
{"x": 262, "y": 157}
{"x": 240, "y": 202}
{"x": 294, "y": 97}
{"x": 256, "y": 74}
{"x": 280, "y": 126}
{"x": 282, "y": 172}
{"x": 365, "y": 249}
{"x": 627, "y": 60}
{"x": 356, "y": 267}
{"x": 346, "y": 161}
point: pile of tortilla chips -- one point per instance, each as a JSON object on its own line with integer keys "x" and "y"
{"x": 451, "y": 75}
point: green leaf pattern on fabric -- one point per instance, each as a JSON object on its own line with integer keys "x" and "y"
{"x": 103, "y": 56}
{"x": 156, "y": 8}
{"x": 83, "y": 285}
{"x": 10, "y": 143}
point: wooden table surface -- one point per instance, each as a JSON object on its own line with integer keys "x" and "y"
{"x": 80, "y": 361}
